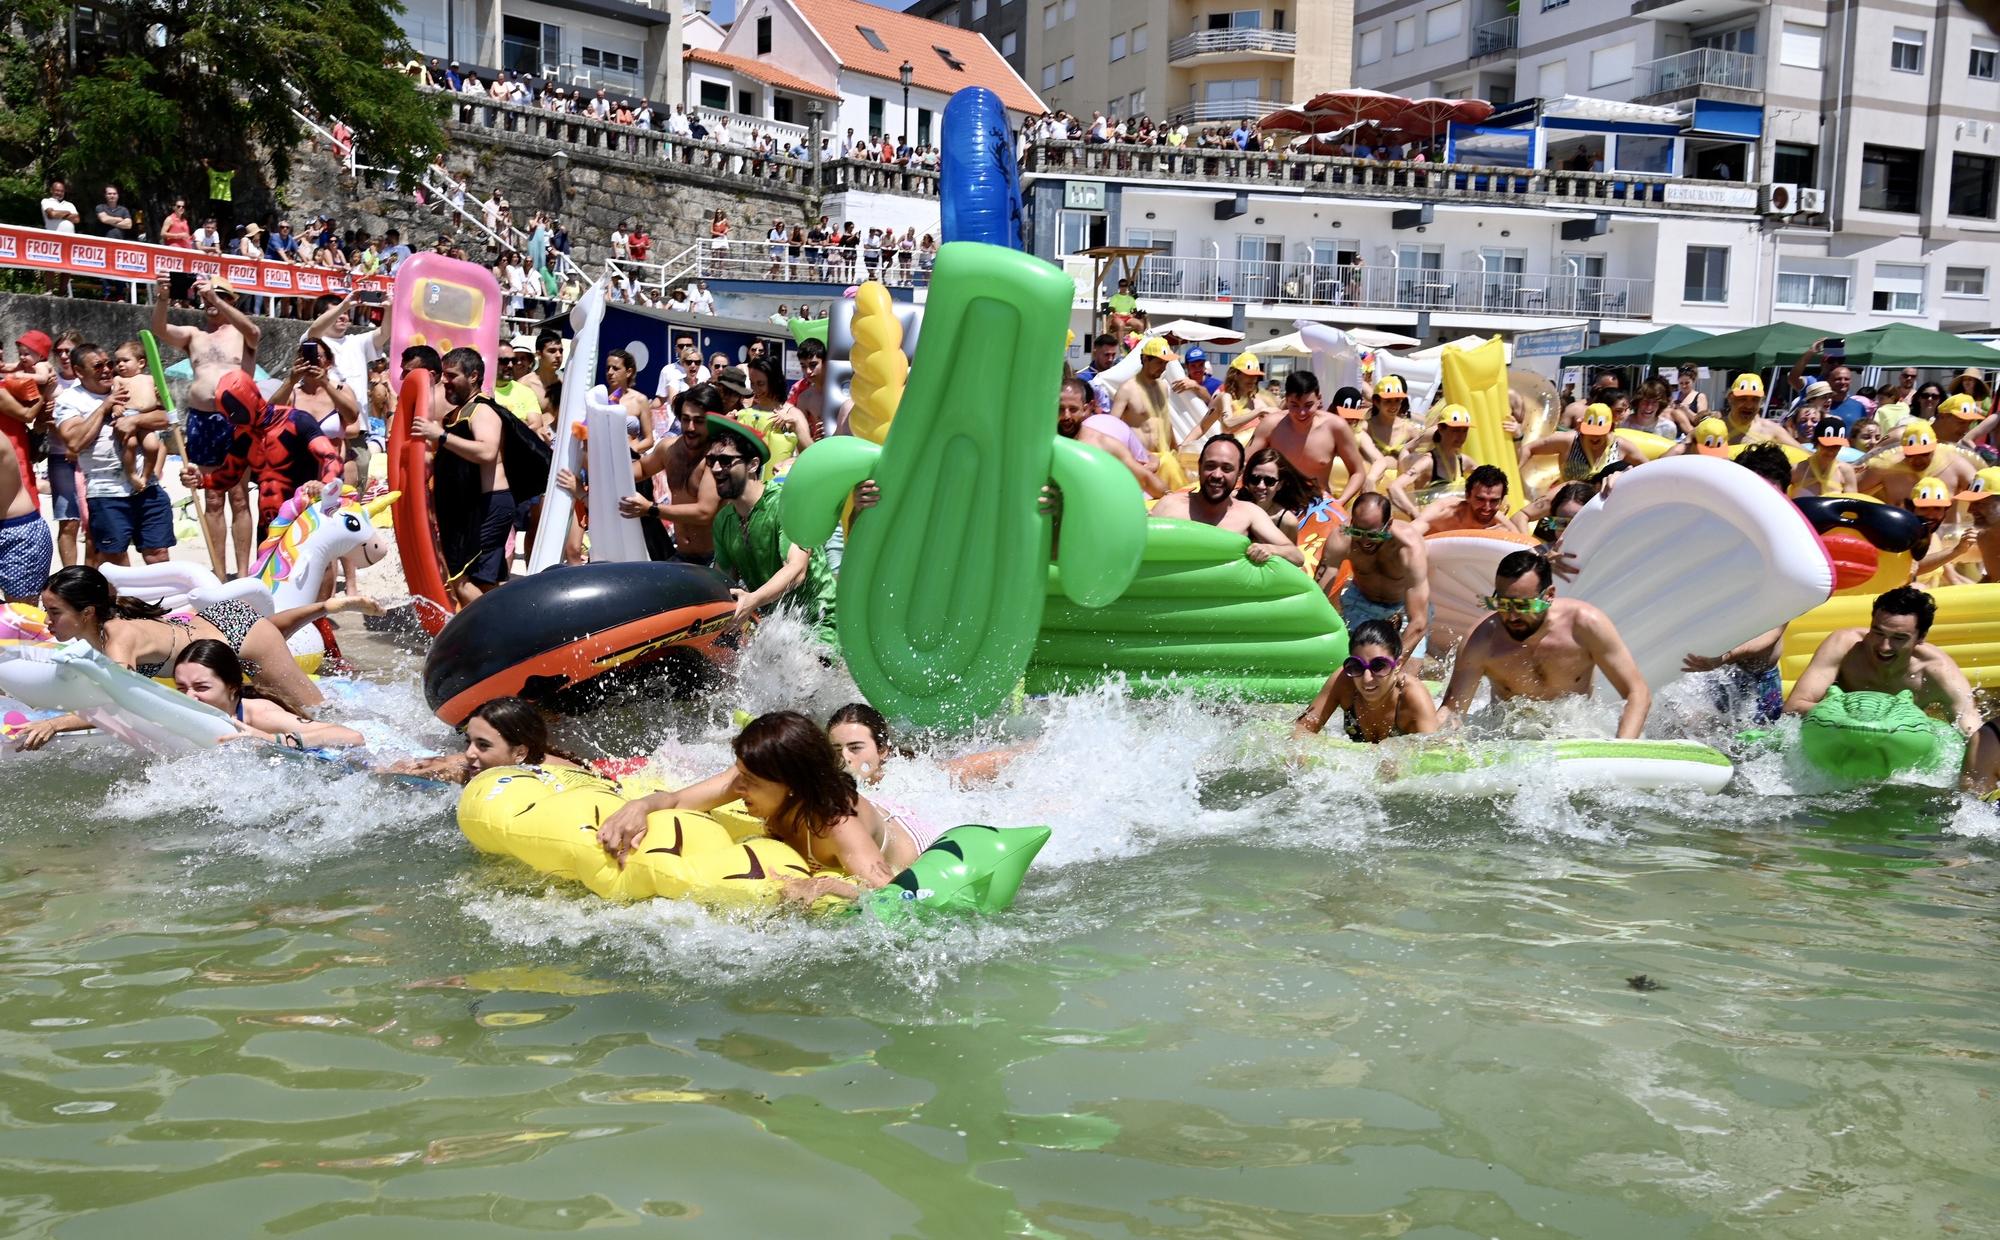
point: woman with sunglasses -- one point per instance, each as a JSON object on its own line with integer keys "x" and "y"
{"x": 1375, "y": 696}
{"x": 175, "y": 229}
{"x": 1270, "y": 482}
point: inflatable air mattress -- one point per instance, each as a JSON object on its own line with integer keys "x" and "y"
{"x": 1498, "y": 768}
{"x": 1866, "y": 737}
{"x": 141, "y": 712}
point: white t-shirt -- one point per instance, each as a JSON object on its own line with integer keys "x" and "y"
{"x": 351, "y": 355}
{"x": 674, "y": 377}
{"x": 702, "y": 301}
{"x": 58, "y": 223}
{"x": 103, "y": 473}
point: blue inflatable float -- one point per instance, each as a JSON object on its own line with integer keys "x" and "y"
{"x": 979, "y": 184}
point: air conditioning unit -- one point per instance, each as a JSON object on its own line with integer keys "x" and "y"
{"x": 1812, "y": 201}
{"x": 1780, "y": 198}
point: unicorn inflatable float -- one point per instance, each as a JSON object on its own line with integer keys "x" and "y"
{"x": 293, "y": 565}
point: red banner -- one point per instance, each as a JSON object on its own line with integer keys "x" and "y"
{"x": 36, "y": 249}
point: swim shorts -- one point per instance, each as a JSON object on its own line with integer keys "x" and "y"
{"x": 144, "y": 520}
{"x": 1357, "y": 608}
{"x": 25, "y": 547}
{"x": 209, "y": 434}
{"x": 1763, "y": 690}
{"x": 475, "y": 544}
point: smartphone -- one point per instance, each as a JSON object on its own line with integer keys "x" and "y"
{"x": 312, "y": 353}
{"x": 1835, "y": 349}
{"x": 180, "y": 285}
{"x": 371, "y": 297}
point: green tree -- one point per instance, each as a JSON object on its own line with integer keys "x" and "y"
{"x": 139, "y": 92}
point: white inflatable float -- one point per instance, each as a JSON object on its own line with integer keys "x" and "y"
{"x": 1441, "y": 767}
{"x": 1184, "y": 409}
{"x": 143, "y": 713}
{"x": 1694, "y": 555}
{"x": 1461, "y": 573}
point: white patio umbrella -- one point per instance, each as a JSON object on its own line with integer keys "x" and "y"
{"x": 1205, "y": 333}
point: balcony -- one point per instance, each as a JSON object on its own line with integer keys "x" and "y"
{"x": 1401, "y": 181}
{"x": 1238, "y": 43}
{"x": 1705, "y": 73}
{"x": 1417, "y": 290}
{"x": 1494, "y": 38}
{"x": 1211, "y": 110}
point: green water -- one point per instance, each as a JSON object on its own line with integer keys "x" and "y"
{"x": 246, "y": 999}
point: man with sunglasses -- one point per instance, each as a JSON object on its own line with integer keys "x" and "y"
{"x": 1391, "y": 571}
{"x": 514, "y": 395}
{"x": 1483, "y": 506}
{"x": 1542, "y": 648}
{"x": 1311, "y": 437}
{"x": 693, "y": 500}
{"x": 89, "y": 419}
{"x": 750, "y": 543}
{"x": 1214, "y": 503}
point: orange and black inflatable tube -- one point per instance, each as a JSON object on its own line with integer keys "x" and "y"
{"x": 541, "y": 636}
{"x": 416, "y": 527}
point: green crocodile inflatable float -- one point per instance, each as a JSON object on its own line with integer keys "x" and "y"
{"x": 943, "y": 583}
{"x": 968, "y": 869}
{"x": 1198, "y": 615}
{"x": 1864, "y": 737}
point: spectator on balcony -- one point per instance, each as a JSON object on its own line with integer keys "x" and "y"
{"x": 700, "y": 300}
{"x": 642, "y": 117}
{"x": 206, "y": 239}
{"x": 622, "y": 114}
{"x": 926, "y": 258}
{"x": 1121, "y": 310}
{"x": 677, "y": 300}
{"x": 816, "y": 239}
{"x": 871, "y": 252}
{"x": 850, "y": 252}
{"x": 774, "y": 249}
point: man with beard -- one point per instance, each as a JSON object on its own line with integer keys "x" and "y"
{"x": 693, "y": 501}
{"x": 750, "y": 544}
{"x": 1076, "y": 418}
{"x": 1391, "y": 571}
{"x": 1542, "y": 648}
{"x": 1215, "y": 503}
{"x": 473, "y": 500}
{"x": 1482, "y": 507}
{"x": 1888, "y": 656}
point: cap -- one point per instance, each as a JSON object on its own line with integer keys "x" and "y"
{"x": 1832, "y": 429}
{"x": 1930, "y": 493}
{"x": 1748, "y": 385}
{"x": 36, "y": 341}
{"x": 1194, "y": 354}
{"x": 1918, "y": 438}
{"x": 1454, "y": 415}
{"x": 1157, "y": 347}
{"x": 1985, "y": 485}
{"x": 1817, "y": 389}
{"x": 1391, "y": 385}
{"x": 1248, "y": 364}
{"x": 1711, "y": 437}
{"x": 1596, "y": 421}
{"x": 1960, "y": 405}
{"x": 735, "y": 381}
{"x": 723, "y": 422}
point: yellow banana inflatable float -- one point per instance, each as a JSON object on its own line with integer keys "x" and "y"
{"x": 880, "y": 368}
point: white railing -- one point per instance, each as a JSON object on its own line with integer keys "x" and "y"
{"x": 1535, "y": 294}
{"x": 1703, "y": 66}
{"x": 828, "y": 264}
{"x": 1226, "y": 109}
{"x": 1235, "y": 40}
{"x": 1496, "y": 36}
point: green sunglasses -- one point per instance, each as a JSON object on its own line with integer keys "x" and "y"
{"x": 1534, "y": 606}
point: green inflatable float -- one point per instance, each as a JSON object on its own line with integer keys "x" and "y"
{"x": 1197, "y": 615}
{"x": 969, "y": 869}
{"x": 943, "y": 583}
{"x": 1864, "y": 737}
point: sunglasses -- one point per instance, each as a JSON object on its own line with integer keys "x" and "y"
{"x": 1262, "y": 480}
{"x": 1370, "y": 536}
{"x": 1516, "y": 606}
{"x": 1380, "y": 665}
{"x": 727, "y": 460}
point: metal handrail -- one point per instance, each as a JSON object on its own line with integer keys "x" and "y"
{"x": 1496, "y": 36}
{"x": 1235, "y": 39}
{"x": 1160, "y": 278}
{"x": 1704, "y": 66}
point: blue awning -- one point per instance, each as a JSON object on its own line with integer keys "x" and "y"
{"x": 1727, "y": 120}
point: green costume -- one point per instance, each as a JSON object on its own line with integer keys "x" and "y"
{"x": 753, "y": 551}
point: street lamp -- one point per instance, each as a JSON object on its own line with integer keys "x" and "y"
{"x": 904, "y": 73}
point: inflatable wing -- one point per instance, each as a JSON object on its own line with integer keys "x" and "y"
{"x": 588, "y": 315}
{"x": 614, "y": 537}
{"x": 1336, "y": 358}
{"x": 1461, "y": 573}
{"x": 1694, "y": 555}
{"x": 141, "y": 712}
{"x": 979, "y": 184}
{"x": 1477, "y": 379}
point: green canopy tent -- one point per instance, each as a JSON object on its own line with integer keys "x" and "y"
{"x": 1664, "y": 345}
{"x": 1906, "y": 344}
{"x": 1753, "y": 348}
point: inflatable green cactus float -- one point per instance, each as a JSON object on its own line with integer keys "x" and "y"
{"x": 943, "y": 583}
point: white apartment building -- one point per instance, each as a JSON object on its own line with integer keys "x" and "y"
{"x": 630, "y": 47}
{"x": 1869, "y": 130}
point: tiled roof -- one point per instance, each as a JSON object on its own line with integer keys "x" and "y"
{"x": 904, "y": 37}
{"x": 759, "y": 70}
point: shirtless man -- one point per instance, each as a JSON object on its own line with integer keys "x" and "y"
{"x": 225, "y": 341}
{"x": 1311, "y": 437}
{"x": 1542, "y": 648}
{"x": 1824, "y": 473}
{"x": 1215, "y": 503}
{"x": 693, "y": 498}
{"x": 1891, "y": 472}
{"x": 1982, "y": 504}
{"x": 1888, "y": 656}
{"x": 1141, "y": 403}
{"x": 1077, "y": 418}
{"x": 1391, "y": 571}
{"x": 475, "y": 508}
{"x": 546, "y": 377}
{"x": 1482, "y": 507}
{"x": 25, "y": 545}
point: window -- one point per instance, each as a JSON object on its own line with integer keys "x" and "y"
{"x": 1707, "y": 274}
{"x": 1117, "y": 48}
{"x": 1890, "y": 177}
{"x": 1048, "y": 17}
{"x": 1736, "y": 39}
{"x": 1554, "y": 80}
{"x": 1611, "y": 64}
{"x": 764, "y": 35}
{"x": 923, "y": 126}
{"x": 1068, "y": 68}
{"x": 1906, "y": 50}
{"x": 1814, "y": 288}
{"x": 874, "y": 40}
{"x": 1137, "y": 102}
{"x": 1985, "y": 60}
{"x": 1048, "y": 77}
{"x": 1965, "y": 281}
{"x": 1445, "y": 21}
{"x": 1138, "y": 39}
{"x": 746, "y": 103}
{"x": 1009, "y": 43}
{"x": 1069, "y": 10}
{"x": 1795, "y": 163}
{"x": 1406, "y": 35}
{"x": 979, "y": 10}
{"x": 1899, "y": 288}
{"x": 1370, "y": 50}
{"x": 1973, "y": 182}
{"x": 1112, "y": 106}
{"x": 874, "y": 118}
{"x": 1643, "y": 154}
{"x": 1802, "y": 46}
{"x": 947, "y": 18}
{"x": 715, "y": 96}
{"x": 1420, "y": 257}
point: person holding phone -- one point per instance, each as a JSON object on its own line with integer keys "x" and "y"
{"x": 1831, "y": 352}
